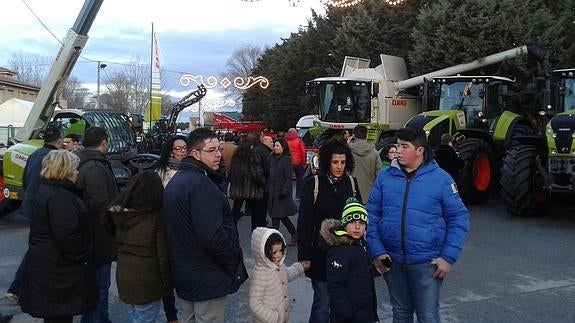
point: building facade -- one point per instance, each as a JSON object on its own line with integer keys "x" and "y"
{"x": 12, "y": 88}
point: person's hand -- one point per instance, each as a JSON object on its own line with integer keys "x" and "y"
{"x": 443, "y": 268}
{"x": 306, "y": 264}
{"x": 350, "y": 138}
{"x": 379, "y": 266}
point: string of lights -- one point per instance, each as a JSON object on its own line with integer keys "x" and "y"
{"x": 338, "y": 3}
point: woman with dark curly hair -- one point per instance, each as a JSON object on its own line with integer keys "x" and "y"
{"x": 173, "y": 151}
{"x": 323, "y": 197}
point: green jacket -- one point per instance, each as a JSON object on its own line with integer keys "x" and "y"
{"x": 143, "y": 273}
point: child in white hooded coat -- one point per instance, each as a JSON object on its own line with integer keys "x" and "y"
{"x": 268, "y": 293}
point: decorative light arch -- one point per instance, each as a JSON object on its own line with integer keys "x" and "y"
{"x": 213, "y": 81}
{"x": 212, "y": 105}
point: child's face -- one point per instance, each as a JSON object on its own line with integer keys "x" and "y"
{"x": 276, "y": 253}
{"x": 356, "y": 229}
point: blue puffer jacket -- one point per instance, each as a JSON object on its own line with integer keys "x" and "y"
{"x": 416, "y": 220}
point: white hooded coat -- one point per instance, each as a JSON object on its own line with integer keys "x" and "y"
{"x": 268, "y": 294}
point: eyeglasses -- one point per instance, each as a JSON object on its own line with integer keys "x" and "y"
{"x": 211, "y": 150}
{"x": 179, "y": 148}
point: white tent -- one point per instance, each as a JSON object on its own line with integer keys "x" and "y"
{"x": 14, "y": 112}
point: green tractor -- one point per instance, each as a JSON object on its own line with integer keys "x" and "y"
{"x": 478, "y": 112}
{"x": 542, "y": 166}
{"x": 122, "y": 151}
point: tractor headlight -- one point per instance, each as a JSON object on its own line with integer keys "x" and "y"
{"x": 553, "y": 152}
{"x": 554, "y": 135}
{"x": 427, "y": 133}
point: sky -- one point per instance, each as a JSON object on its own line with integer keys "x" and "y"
{"x": 195, "y": 37}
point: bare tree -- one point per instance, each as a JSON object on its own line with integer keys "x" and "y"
{"x": 74, "y": 94}
{"x": 31, "y": 68}
{"x": 240, "y": 64}
{"x": 128, "y": 87}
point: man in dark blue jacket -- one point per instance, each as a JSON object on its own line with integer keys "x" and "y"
{"x": 418, "y": 221}
{"x": 205, "y": 254}
{"x": 30, "y": 184}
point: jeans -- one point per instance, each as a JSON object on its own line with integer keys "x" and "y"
{"x": 16, "y": 286}
{"x": 170, "y": 307}
{"x": 299, "y": 171}
{"x": 413, "y": 288}
{"x": 208, "y": 311}
{"x": 144, "y": 313}
{"x": 320, "y": 306}
{"x": 100, "y": 313}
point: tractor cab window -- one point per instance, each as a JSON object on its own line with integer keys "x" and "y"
{"x": 463, "y": 95}
{"x": 493, "y": 97}
{"x": 345, "y": 101}
{"x": 569, "y": 97}
{"x": 71, "y": 124}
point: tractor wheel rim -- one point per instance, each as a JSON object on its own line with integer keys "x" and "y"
{"x": 481, "y": 172}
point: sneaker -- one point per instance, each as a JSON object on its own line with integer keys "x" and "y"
{"x": 11, "y": 296}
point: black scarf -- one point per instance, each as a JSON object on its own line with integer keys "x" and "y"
{"x": 173, "y": 163}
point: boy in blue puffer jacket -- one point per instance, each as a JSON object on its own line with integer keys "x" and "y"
{"x": 418, "y": 221}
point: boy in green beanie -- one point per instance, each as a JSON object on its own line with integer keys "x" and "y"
{"x": 349, "y": 274}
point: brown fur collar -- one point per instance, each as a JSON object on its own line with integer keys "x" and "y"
{"x": 328, "y": 227}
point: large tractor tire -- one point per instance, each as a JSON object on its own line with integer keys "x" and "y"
{"x": 324, "y": 137}
{"x": 477, "y": 176}
{"x": 522, "y": 184}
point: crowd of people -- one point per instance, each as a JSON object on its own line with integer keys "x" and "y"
{"x": 173, "y": 231}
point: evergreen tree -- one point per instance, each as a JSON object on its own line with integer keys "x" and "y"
{"x": 453, "y": 32}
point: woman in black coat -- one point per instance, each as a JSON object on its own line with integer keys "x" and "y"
{"x": 280, "y": 188}
{"x": 59, "y": 280}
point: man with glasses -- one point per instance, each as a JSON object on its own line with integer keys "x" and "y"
{"x": 205, "y": 254}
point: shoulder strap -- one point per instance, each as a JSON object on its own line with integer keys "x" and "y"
{"x": 352, "y": 184}
{"x": 315, "y": 187}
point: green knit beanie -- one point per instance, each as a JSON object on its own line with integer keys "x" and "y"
{"x": 352, "y": 211}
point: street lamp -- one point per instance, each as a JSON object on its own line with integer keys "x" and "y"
{"x": 101, "y": 66}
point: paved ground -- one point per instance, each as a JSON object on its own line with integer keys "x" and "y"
{"x": 512, "y": 270}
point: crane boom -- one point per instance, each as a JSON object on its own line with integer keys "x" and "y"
{"x": 71, "y": 49}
